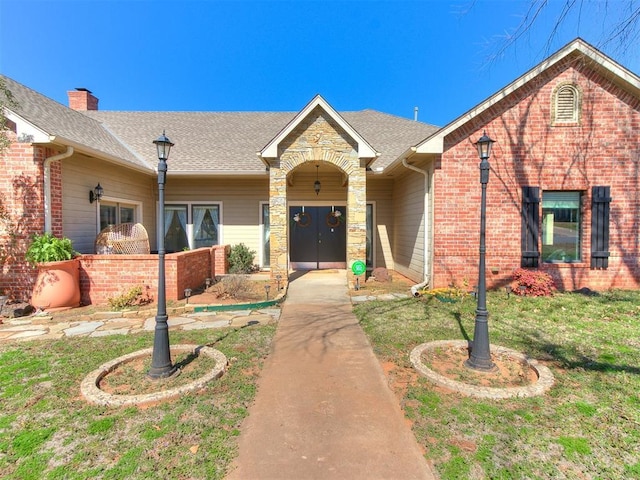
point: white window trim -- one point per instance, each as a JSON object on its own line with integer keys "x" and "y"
{"x": 137, "y": 208}
{"x": 197, "y": 203}
{"x": 262, "y": 203}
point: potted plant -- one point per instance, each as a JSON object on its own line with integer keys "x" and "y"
{"x": 58, "y": 282}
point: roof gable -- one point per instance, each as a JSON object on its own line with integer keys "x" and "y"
{"x": 577, "y": 48}
{"x": 365, "y": 150}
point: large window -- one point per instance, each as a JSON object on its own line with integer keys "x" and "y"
{"x": 112, "y": 213}
{"x": 561, "y": 226}
{"x": 189, "y": 226}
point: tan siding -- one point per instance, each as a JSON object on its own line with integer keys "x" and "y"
{"x": 380, "y": 191}
{"x": 408, "y": 225}
{"x": 332, "y": 189}
{"x": 79, "y": 217}
{"x": 240, "y": 198}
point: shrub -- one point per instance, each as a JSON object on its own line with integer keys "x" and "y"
{"x": 233, "y": 286}
{"x": 47, "y": 248}
{"x": 535, "y": 283}
{"x": 240, "y": 259}
{"x": 134, "y": 297}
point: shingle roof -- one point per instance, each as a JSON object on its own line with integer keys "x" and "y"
{"x": 205, "y": 142}
{"x": 217, "y": 142}
{"x": 60, "y": 121}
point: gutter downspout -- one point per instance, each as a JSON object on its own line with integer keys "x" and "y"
{"x": 427, "y": 253}
{"x": 47, "y": 185}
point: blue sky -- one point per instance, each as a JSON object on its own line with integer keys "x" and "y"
{"x": 391, "y": 56}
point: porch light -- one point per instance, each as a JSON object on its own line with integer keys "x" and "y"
{"x": 96, "y": 194}
{"x": 316, "y": 184}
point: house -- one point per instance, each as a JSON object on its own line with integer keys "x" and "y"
{"x": 321, "y": 189}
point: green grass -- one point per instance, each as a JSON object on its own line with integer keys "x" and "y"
{"x": 48, "y": 431}
{"x": 586, "y": 426}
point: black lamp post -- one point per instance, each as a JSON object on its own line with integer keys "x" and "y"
{"x": 161, "y": 366}
{"x": 480, "y": 357}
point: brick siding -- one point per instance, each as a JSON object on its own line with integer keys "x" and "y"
{"x": 602, "y": 149}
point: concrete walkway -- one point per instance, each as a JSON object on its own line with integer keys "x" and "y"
{"x": 323, "y": 408}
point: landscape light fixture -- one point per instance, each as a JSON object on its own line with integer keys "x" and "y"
{"x": 96, "y": 194}
{"x": 161, "y": 366}
{"x": 480, "y": 356}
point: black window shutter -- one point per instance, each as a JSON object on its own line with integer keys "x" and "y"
{"x": 530, "y": 222}
{"x": 600, "y": 201}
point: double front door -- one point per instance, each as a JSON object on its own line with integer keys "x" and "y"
{"x": 317, "y": 237}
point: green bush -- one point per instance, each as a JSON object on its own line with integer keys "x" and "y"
{"x": 47, "y": 248}
{"x": 134, "y": 297}
{"x": 240, "y": 259}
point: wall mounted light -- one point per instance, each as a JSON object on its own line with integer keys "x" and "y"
{"x": 96, "y": 194}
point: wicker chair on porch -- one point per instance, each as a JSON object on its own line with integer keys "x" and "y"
{"x": 123, "y": 239}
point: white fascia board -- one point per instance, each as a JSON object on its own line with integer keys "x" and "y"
{"x": 364, "y": 149}
{"x": 26, "y": 128}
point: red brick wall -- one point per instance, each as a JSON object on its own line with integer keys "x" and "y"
{"x": 21, "y": 199}
{"x": 106, "y": 276}
{"x": 604, "y": 149}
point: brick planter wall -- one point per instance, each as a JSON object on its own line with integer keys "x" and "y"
{"x": 106, "y": 276}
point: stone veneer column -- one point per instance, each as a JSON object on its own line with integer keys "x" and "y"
{"x": 356, "y": 216}
{"x": 278, "y": 221}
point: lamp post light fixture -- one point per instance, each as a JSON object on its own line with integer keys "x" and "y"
{"x": 161, "y": 366}
{"x": 480, "y": 357}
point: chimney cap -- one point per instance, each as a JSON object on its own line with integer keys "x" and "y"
{"x": 82, "y": 89}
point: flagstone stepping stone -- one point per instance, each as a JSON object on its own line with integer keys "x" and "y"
{"x": 83, "y": 328}
{"x": 203, "y": 325}
{"x": 28, "y": 334}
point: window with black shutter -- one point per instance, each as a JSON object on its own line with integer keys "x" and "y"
{"x": 530, "y": 222}
{"x": 600, "y": 201}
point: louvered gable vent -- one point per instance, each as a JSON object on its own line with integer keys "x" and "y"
{"x": 566, "y": 108}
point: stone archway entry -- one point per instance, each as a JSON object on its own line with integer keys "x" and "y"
{"x": 317, "y": 237}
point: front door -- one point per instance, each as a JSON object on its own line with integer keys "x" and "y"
{"x": 318, "y": 237}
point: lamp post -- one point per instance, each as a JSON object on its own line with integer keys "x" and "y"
{"x": 161, "y": 366}
{"x": 480, "y": 357}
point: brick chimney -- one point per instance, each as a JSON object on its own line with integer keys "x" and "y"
{"x": 82, "y": 99}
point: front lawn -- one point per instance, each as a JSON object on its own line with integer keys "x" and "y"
{"x": 47, "y": 430}
{"x": 586, "y": 427}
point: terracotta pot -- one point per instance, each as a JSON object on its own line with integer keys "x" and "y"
{"x": 57, "y": 285}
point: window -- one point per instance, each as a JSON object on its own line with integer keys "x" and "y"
{"x": 191, "y": 226}
{"x": 566, "y": 104}
{"x": 113, "y": 212}
{"x": 561, "y": 225}
{"x": 266, "y": 235}
{"x": 369, "y": 247}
